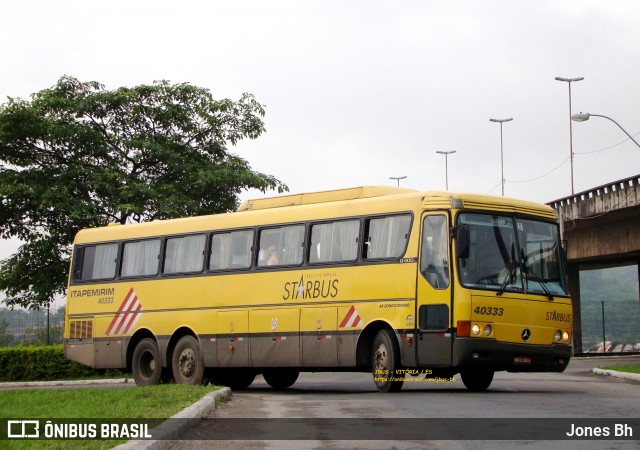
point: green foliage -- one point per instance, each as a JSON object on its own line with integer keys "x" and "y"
{"x": 38, "y": 335}
{"x": 160, "y": 401}
{"x": 78, "y": 156}
{"x": 610, "y": 284}
{"x": 41, "y": 364}
{"x": 6, "y": 339}
{"x": 31, "y": 327}
{"x": 153, "y": 404}
{"x": 631, "y": 368}
{"x": 615, "y": 289}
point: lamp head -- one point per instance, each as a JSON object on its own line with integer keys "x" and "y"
{"x": 569, "y": 79}
{"x": 580, "y": 117}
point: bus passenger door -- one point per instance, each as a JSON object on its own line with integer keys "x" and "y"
{"x": 433, "y": 334}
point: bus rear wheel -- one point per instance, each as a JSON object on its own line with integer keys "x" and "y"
{"x": 146, "y": 364}
{"x": 477, "y": 380}
{"x": 385, "y": 362}
{"x": 186, "y": 362}
{"x": 280, "y": 379}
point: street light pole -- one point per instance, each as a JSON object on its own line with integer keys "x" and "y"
{"x": 585, "y": 116}
{"x": 446, "y": 165}
{"x": 398, "y": 179}
{"x": 501, "y": 121}
{"x": 569, "y": 81}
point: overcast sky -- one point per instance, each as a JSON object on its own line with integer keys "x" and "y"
{"x": 360, "y": 91}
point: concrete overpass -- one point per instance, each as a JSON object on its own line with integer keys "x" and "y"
{"x": 601, "y": 228}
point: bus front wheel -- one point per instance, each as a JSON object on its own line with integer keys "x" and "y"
{"x": 186, "y": 362}
{"x": 477, "y": 379}
{"x": 280, "y": 379}
{"x": 146, "y": 364}
{"x": 385, "y": 362}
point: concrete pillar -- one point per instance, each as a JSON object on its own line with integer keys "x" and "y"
{"x": 573, "y": 277}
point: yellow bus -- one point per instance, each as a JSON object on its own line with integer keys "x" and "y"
{"x": 390, "y": 280}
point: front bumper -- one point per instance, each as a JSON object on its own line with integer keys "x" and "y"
{"x": 471, "y": 352}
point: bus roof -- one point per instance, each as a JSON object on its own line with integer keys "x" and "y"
{"x": 322, "y": 197}
{"x": 349, "y": 202}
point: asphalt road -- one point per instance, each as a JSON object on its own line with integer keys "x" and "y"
{"x": 543, "y": 404}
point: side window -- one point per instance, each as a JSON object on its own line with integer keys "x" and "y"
{"x": 231, "y": 250}
{"x": 184, "y": 254}
{"x": 281, "y": 246}
{"x": 96, "y": 262}
{"x": 434, "y": 317}
{"x": 434, "y": 261}
{"x": 386, "y": 237}
{"x": 336, "y": 241}
{"x": 140, "y": 258}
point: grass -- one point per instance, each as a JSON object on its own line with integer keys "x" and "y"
{"x": 110, "y": 374}
{"x": 162, "y": 401}
{"x": 631, "y": 368}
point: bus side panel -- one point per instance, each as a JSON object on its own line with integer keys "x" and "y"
{"x": 347, "y": 338}
{"x": 209, "y": 349}
{"x": 318, "y": 336}
{"x": 80, "y": 352}
{"x": 109, "y": 348}
{"x": 232, "y": 343}
{"x": 275, "y": 337}
{"x": 79, "y": 343}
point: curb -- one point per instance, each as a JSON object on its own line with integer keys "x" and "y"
{"x": 171, "y": 429}
{"x": 19, "y": 384}
{"x": 617, "y": 374}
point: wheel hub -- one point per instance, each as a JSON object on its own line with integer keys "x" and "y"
{"x": 381, "y": 358}
{"x": 187, "y": 363}
{"x": 147, "y": 364}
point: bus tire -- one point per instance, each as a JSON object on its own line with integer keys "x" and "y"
{"x": 477, "y": 380}
{"x": 186, "y": 362}
{"x": 280, "y": 379}
{"x": 385, "y": 362}
{"x": 146, "y": 364}
{"x": 237, "y": 379}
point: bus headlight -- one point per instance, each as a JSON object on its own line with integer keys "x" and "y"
{"x": 475, "y": 329}
{"x": 487, "y": 330}
{"x": 558, "y": 335}
{"x": 565, "y": 337}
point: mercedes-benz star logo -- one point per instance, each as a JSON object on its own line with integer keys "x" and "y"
{"x": 526, "y": 334}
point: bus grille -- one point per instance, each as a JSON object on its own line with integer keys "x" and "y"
{"x": 81, "y": 329}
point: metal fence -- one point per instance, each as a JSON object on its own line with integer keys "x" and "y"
{"x": 24, "y": 327}
{"x": 610, "y": 326}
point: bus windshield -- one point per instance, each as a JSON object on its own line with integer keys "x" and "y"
{"x": 511, "y": 254}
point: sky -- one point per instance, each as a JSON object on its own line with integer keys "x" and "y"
{"x": 358, "y": 91}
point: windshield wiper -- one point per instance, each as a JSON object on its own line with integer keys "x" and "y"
{"x": 535, "y": 277}
{"x": 509, "y": 264}
{"x": 510, "y": 277}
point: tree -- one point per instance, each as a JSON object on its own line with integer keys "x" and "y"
{"x": 6, "y": 339}
{"x": 77, "y": 156}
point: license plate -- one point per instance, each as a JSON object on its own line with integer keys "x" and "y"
{"x": 522, "y": 360}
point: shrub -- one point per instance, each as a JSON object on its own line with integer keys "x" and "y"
{"x": 42, "y": 364}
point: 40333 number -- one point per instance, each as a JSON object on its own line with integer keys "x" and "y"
{"x": 488, "y": 311}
